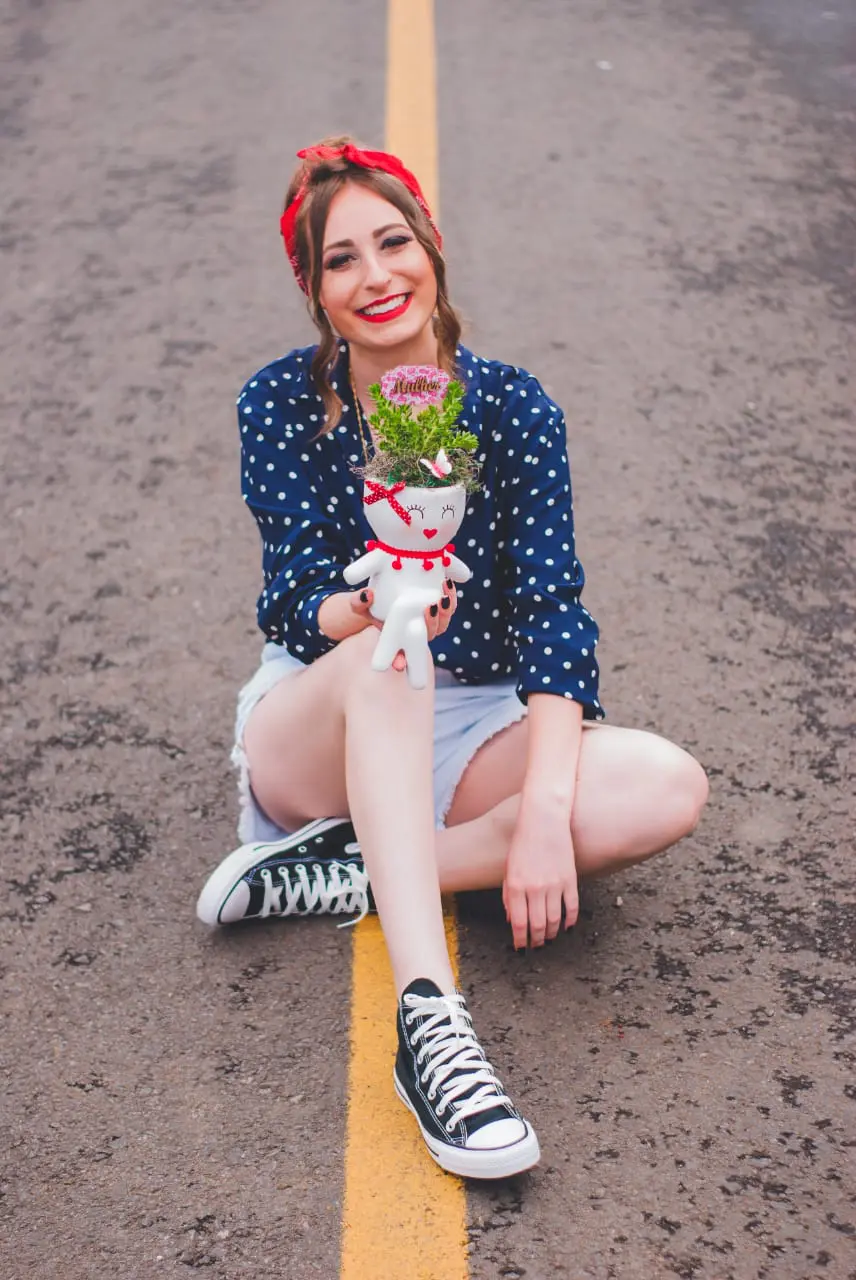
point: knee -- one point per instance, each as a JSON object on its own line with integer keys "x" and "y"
{"x": 686, "y": 787}
{"x": 670, "y": 786}
{"x": 357, "y": 650}
{"x": 354, "y": 658}
{"x": 362, "y": 683}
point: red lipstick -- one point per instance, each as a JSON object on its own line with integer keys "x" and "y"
{"x": 383, "y": 316}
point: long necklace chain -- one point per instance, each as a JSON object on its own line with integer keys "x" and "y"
{"x": 365, "y": 435}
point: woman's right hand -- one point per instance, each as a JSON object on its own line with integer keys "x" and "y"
{"x": 361, "y": 603}
{"x": 346, "y": 613}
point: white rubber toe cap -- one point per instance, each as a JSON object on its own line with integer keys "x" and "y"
{"x": 235, "y": 907}
{"x": 210, "y": 907}
{"x": 502, "y": 1133}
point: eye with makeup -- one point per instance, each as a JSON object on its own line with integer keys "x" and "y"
{"x": 340, "y": 260}
{"x": 416, "y": 507}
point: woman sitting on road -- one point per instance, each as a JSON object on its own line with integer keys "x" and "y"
{"x": 529, "y": 790}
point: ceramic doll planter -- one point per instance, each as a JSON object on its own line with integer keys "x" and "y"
{"x": 407, "y": 565}
{"x": 414, "y": 523}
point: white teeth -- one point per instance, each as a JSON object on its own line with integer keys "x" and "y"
{"x": 380, "y": 308}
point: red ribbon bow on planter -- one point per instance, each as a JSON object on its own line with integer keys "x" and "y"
{"x": 379, "y": 493}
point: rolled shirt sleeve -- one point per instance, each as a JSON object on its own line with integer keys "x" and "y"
{"x": 555, "y": 635}
{"x": 303, "y": 552}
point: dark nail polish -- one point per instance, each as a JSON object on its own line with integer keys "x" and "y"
{"x": 364, "y": 596}
{"x": 449, "y": 583}
{"x": 434, "y": 611}
{"x": 445, "y": 602}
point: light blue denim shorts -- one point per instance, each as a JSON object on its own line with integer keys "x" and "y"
{"x": 465, "y": 717}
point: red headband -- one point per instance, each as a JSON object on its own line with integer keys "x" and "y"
{"x": 366, "y": 160}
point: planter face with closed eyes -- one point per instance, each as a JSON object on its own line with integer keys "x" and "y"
{"x": 415, "y": 549}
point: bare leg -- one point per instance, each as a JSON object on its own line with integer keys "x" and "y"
{"x": 340, "y": 739}
{"x": 388, "y": 763}
{"x": 636, "y": 795}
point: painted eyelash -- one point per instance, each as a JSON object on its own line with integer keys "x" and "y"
{"x": 415, "y": 507}
{"x": 451, "y": 510}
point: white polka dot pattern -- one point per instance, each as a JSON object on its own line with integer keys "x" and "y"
{"x": 520, "y": 614}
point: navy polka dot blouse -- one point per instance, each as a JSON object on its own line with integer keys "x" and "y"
{"x": 519, "y": 616}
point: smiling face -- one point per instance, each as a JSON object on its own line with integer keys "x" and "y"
{"x": 377, "y": 282}
{"x": 435, "y": 517}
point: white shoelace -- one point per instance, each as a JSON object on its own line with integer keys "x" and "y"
{"x": 450, "y": 1048}
{"x": 330, "y": 889}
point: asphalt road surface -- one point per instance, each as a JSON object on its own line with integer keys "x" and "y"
{"x": 650, "y": 205}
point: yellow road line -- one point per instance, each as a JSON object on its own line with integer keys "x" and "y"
{"x": 403, "y": 1218}
{"x": 411, "y": 91}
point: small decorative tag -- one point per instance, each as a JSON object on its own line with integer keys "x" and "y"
{"x": 415, "y": 384}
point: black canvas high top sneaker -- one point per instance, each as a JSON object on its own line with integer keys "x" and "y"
{"x": 317, "y": 870}
{"x": 442, "y": 1075}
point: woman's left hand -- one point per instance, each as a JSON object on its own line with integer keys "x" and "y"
{"x": 540, "y": 875}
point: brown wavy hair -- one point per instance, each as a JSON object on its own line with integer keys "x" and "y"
{"x": 325, "y": 179}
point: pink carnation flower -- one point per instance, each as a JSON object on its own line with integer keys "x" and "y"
{"x": 415, "y": 384}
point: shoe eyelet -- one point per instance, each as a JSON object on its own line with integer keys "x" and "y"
{"x": 449, "y": 1126}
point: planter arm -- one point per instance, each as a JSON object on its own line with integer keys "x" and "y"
{"x": 364, "y": 567}
{"x": 458, "y": 571}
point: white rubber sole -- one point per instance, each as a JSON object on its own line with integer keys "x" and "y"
{"x": 222, "y": 881}
{"x": 502, "y": 1162}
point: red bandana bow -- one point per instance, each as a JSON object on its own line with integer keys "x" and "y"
{"x": 380, "y": 494}
{"x": 366, "y": 160}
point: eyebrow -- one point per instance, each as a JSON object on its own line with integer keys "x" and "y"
{"x": 347, "y": 244}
